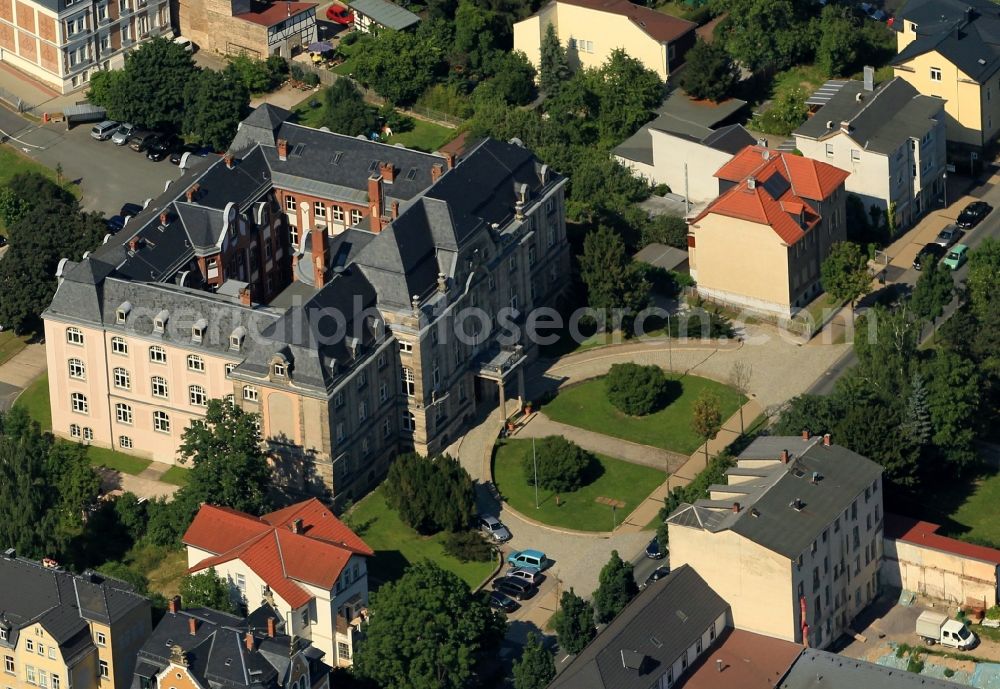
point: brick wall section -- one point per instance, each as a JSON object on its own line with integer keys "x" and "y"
{"x": 27, "y": 46}
{"x": 6, "y": 10}
{"x": 50, "y": 58}
{"x": 25, "y": 17}
{"x": 6, "y": 37}
{"x": 46, "y": 29}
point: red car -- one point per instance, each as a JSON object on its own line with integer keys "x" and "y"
{"x": 339, "y": 14}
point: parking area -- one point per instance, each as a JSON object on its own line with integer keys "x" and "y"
{"x": 108, "y": 175}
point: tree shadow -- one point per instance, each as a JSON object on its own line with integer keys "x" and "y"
{"x": 672, "y": 390}
{"x": 386, "y": 566}
{"x": 592, "y": 472}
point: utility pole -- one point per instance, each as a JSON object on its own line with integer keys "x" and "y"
{"x": 687, "y": 198}
{"x": 534, "y": 460}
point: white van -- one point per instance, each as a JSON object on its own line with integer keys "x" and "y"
{"x": 185, "y": 43}
{"x": 104, "y": 130}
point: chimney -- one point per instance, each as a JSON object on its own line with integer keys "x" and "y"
{"x": 282, "y": 145}
{"x": 751, "y": 182}
{"x": 395, "y": 209}
{"x": 784, "y": 456}
{"x": 319, "y": 256}
{"x": 826, "y": 439}
{"x": 192, "y": 626}
{"x": 245, "y": 296}
{"x": 164, "y": 217}
{"x": 805, "y": 435}
{"x": 376, "y": 203}
{"x": 442, "y": 283}
{"x": 387, "y": 171}
{"x": 133, "y": 244}
{"x": 297, "y": 525}
{"x": 449, "y": 159}
{"x": 718, "y": 664}
{"x": 228, "y": 158}
{"x": 736, "y": 508}
{"x": 869, "y": 83}
{"x": 248, "y": 640}
{"x": 271, "y": 627}
{"x": 437, "y": 169}
{"x": 174, "y": 605}
{"x": 191, "y": 192}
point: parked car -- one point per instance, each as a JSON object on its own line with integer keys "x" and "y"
{"x": 529, "y": 576}
{"x": 115, "y": 223}
{"x": 654, "y": 552}
{"x": 495, "y": 528}
{"x": 104, "y": 130}
{"x": 503, "y": 602}
{"x": 973, "y": 214}
{"x": 948, "y": 236}
{"x": 958, "y": 255}
{"x": 515, "y": 588}
{"x": 185, "y": 43}
{"x": 141, "y": 141}
{"x": 657, "y": 574}
{"x": 125, "y": 132}
{"x": 160, "y": 147}
{"x": 929, "y": 254}
{"x": 193, "y": 149}
{"x": 529, "y": 559}
{"x": 339, "y": 14}
{"x": 130, "y": 210}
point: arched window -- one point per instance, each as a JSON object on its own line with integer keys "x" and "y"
{"x": 161, "y": 422}
{"x": 74, "y": 430}
{"x": 157, "y": 354}
{"x": 195, "y": 363}
{"x": 74, "y": 336}
{"x": 122, "y": 379}
{"x": 79, "y": 403}
{"x": 123, "y": 412}
{"x": 119, "y": 346}
{"x": 197, "y": 396}
{"x": 77, "y": 369}
{"x": 158, "y": 384}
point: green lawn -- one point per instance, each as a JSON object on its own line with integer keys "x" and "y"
{"x": 630, "y": 483}
{"x": 179, "y": 476}
{"x": 396, "y": 545}
{"x": 975, "y": 519}
{"x": 586, "y": 405}
{"x": 13, "y": 162}
{"x": 10, "y": 344}
{"x": 35, "y": 400}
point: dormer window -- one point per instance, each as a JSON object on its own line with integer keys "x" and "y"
{"x": 236, "y": 338}
{"x": 160, "y": 322}
{"x": 279, "y": 370}
{"x": 122, "y": 313}
{"x": 198, "y": 330}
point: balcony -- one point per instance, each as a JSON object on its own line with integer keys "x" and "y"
{"x": 499, "y": 361}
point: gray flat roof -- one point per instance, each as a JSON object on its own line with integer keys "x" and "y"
{"x": 387, "y": 14}
{"x": 821, "y": 670}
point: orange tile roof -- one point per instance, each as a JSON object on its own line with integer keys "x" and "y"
{"x": 789, "y": 214}
{"x": 657, "y": 25}
{"x": 909, "y": 530}
{"x": 267, "y": 545}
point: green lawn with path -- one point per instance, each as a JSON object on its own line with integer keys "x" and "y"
{"x": 177, "y": 475}
{"x": 11, "y": 344}
{"x": 630, "y": 483}
{"x": 35, "y": 400}
{"x": 586, "y": 406}
{"x": 396, "y": 545}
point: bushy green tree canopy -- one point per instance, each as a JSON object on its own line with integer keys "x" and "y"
{"x": 207, "y": 590}
{"x": 636, "y": 390}
{"x": 616, "y": 588}
{"x": 709, "y": 72}
{"x": 431, "y": 494}
{"x": 574, "y": 622}
{"x": 562, "y": 465}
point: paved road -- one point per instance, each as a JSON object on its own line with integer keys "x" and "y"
{"x": 108, "y": 175}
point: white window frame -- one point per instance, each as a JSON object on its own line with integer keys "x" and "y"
{"x": 161, "y": 421}
{"x": 78, "y": 403}
{"x": 77, "y": 369}
{"x": 125, "y": 443}
{"x": 122, "y": 378}
{"x": 337, "y": 214}
{"x": 355, "y": 216}
{"x": 319, "y": 209}
{"x": 124, "y": 413}
{"x": 119, "y": 345}
{"x": 158, "y": 387}
{"x": 195, "y": 363}
{"x": 197, "y": 396}
{"x": 157, "y": 354}
{"x": 74, "y": 336}
{"x": 935, "y": 74}
{"x": 250, "y": 393}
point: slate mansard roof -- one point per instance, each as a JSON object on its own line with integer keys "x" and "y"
{"x": 768, "y": 514}
{"x": 965, "y": 32}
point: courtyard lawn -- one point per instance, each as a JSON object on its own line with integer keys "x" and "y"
{"x": 975, "y": 518}
{"x": 10, "y": 344}
{"x": 178, "y": 476}
{"x": 425, "y": 136}
{"x": 163, "y": 567}
{"x": 397, "y": 546}
{"x": 586, "y": 405}
{"x": 630, "y": 483}
{"x": 35, "y": 400}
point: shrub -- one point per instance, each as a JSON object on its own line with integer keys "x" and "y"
{"x": 671, "y": 230}
{"x": 993, "y": 613}
{"x": 468, "y": 546}
{"x": 949, "y": 673}
{"x": 636, "y": 390}
{"x": 350, "y": 38}
{"x": 563, "y": 466}
{"x": 431, "y": 494}
{"x": 447, "y": 98}
{"x": 915, "y": 664}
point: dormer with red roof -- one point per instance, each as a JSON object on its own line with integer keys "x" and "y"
{"x": 760, "y": 244}
{"x": 302, "y": 560}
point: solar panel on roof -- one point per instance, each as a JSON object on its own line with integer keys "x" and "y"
{"x": 411, "y": 174}
{"x": 776, "y": 186}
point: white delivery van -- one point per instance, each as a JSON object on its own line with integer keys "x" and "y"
{"x": 938, "y": 628}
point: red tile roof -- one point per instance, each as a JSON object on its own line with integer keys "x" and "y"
{"x": 925, "y": 534}
{"x": 749, "y": 661}
{"x": 316, "y": 555}
{"x": 794, "y": 178}
{"x": 275, "y": 13}
{"x": 657, "y": 25}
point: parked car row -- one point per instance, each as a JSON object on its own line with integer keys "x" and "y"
{"x": 156, "y": 146}
{"x": 945, "y": 247}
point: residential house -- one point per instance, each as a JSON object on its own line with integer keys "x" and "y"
{"x": 316, "y": 280}
{"x": 61, "y": 43}
{"x": 256, "y": 28}
{"x": 301, "y": 561}
{"x": 950, "y": 49}
{"x": 60, "y": 630}
{"x": 891, "y": 139}
{"x": 372, "y": 15}
{"x": 792, "y": 541}
{"x": 760, "y": 244}
{"x": 202, "y": 648}
{"x": 655, "y": 640}
{"x": 687, "y": 142}
{"x": 592, "y": 29}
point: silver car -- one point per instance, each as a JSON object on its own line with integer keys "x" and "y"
{"x": 528, "y": 576}
{"x": 495, "y": 528}
{"x": 124, "y": 133}
{"x": 948, "y": 236}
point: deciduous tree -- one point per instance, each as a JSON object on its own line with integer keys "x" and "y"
{"x": 706, "y": 417}
{"x": 431, "y": 494}
{"x": 709, "y": 72}
{"x": 215, "y": 102}
{"x": 536, "y": 667}
{"x": 614, "y": 283}
{"x": 740, "y": 376}
{"x": 840, "y": 41}
{"x": 345, "y": 110}
{"x": 845, "y": 272}
{"x": 636, "y": 390}
{"x": 932, "y": 292}
{"x": 207, "y": 590}
{"x": 399, "y": 66}
{"x": 426, "y": 631}
{"x": 562, "y": 465}
{"x": 616, "y": 588}
{"x": 627, "y": 92}
{"x": 574, "y": 622}
{"x": 765, "y": 35}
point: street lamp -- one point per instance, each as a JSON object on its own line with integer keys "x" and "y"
{"x": 534, "y": 460}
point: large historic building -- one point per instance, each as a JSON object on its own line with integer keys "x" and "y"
{"x": 360, "y": 297}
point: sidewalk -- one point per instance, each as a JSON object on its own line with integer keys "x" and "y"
{"x": 647, "y": 511}
{"x": 36, "y": 95}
